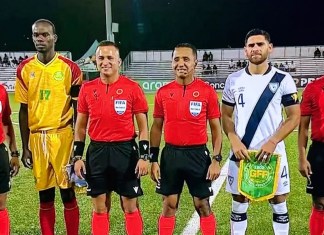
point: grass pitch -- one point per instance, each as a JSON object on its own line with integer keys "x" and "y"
{"x": 23, "y": 201}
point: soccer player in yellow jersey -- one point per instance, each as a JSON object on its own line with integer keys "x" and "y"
{"x": 47, "y": 86}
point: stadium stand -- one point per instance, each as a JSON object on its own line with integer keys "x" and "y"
{"x": 156, "y": 65}
{"x": 305, "y": 66}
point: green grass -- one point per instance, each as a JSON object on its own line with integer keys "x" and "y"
{"x": 23, "y": 202}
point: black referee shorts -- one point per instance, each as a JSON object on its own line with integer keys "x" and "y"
{"x": 4, "y": 169}
{"x": 111, "y": 167}
{"x": 315, "y": 157}
{"x": 185, "y": 164}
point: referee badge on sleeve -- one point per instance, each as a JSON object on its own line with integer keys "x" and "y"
{"x": 120, "y": 106}
{"x": 195, "y": 108}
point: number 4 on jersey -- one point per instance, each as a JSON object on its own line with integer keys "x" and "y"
{"x": 240, "y": 100}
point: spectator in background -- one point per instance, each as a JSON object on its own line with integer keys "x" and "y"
{"x": 244, "y": 64}
{"x": 205, "y": 56}
{"x": 20, "y": 59}
{"x": 281, "y": 66}
{"x": 238, "y": 64}
{"x": 286, "y": 66}
{"x": 317, "y": 53}
{"x": 1, "y": 61}
{"x": 214, "y": 69}
{"x": 209, "y": 69}
{"x": 292, "y": 67}
{"x": 210, "y": 56}
{"x": 275, "y": 65}
{"x": 323, "y": 53}
{"x": 231, "y": 64}
{"x": 204, "y": 69}
{"x": 6, "y": 61}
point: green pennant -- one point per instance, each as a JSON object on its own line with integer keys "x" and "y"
{"x": 258, "y": 181}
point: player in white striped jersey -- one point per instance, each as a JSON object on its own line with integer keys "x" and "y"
{"x": 255, "y": 95}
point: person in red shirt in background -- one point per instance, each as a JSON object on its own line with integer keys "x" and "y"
{"x": 183, "y": 107}
{"x": 114, "y": 162}
{"x": 7, "y": 168}
{"x": 312, "y": 167}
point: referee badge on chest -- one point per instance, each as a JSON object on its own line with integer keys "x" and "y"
{"x": 195, "y": 108}
{"x": 120, "y": 106}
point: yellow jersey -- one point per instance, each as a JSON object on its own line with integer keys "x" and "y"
{"x": 45, "y": 88}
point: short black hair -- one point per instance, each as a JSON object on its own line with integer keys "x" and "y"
{"x": 255, "y": 32}
{"x": 105, "y": 43}
{"x": 187, "y": 45}
{"x": 48, "y": 22}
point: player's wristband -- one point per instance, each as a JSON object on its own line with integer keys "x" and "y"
{"x": 15, "y": 154}
{"x": 78, "y": 148}
{"x": 154, "y": 154}
{"x": 144, "y": 147}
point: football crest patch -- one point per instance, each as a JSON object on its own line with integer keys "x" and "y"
{"x": 273, "y": 86}
{"x": 58, "y": 76}
{"x": 120, "y": 106}
{"x": 195, "y": 108}
{"x": 230, "y": 179}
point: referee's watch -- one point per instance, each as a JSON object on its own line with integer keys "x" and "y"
{"x": 217, "y": 158}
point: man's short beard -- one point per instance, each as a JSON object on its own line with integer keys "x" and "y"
{"x": 258, "y": 62}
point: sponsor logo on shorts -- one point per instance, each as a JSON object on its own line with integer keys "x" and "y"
{"x": 285, "y": 183}
{"x": 195, "y": 108}
{"x": 135, "y": 189}
{"x": 158, "y": 185}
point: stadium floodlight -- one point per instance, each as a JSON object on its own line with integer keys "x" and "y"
{"x": 110, "y": 35}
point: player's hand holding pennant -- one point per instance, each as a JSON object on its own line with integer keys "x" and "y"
{"x": 257, "y": 180}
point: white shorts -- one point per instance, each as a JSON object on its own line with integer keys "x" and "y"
{"x": 283, "y": 181}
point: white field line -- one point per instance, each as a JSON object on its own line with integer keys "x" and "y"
{"x": 193, "y": 224}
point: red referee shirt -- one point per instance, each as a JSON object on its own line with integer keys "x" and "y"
{"x": 312, "y": 104}
{"x": 5, "y": 112}
{"x": 111, "y": 108}
{"x": 185, "y": 110}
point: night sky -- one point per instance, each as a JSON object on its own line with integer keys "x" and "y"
{"x": 161, "y": 24}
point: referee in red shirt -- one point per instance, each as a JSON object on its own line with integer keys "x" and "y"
{"x": 312, "y": 167}
{"x": 114, "y": 162}
{"x": 183, "y": 108}
{"x": 7, "y": 168}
